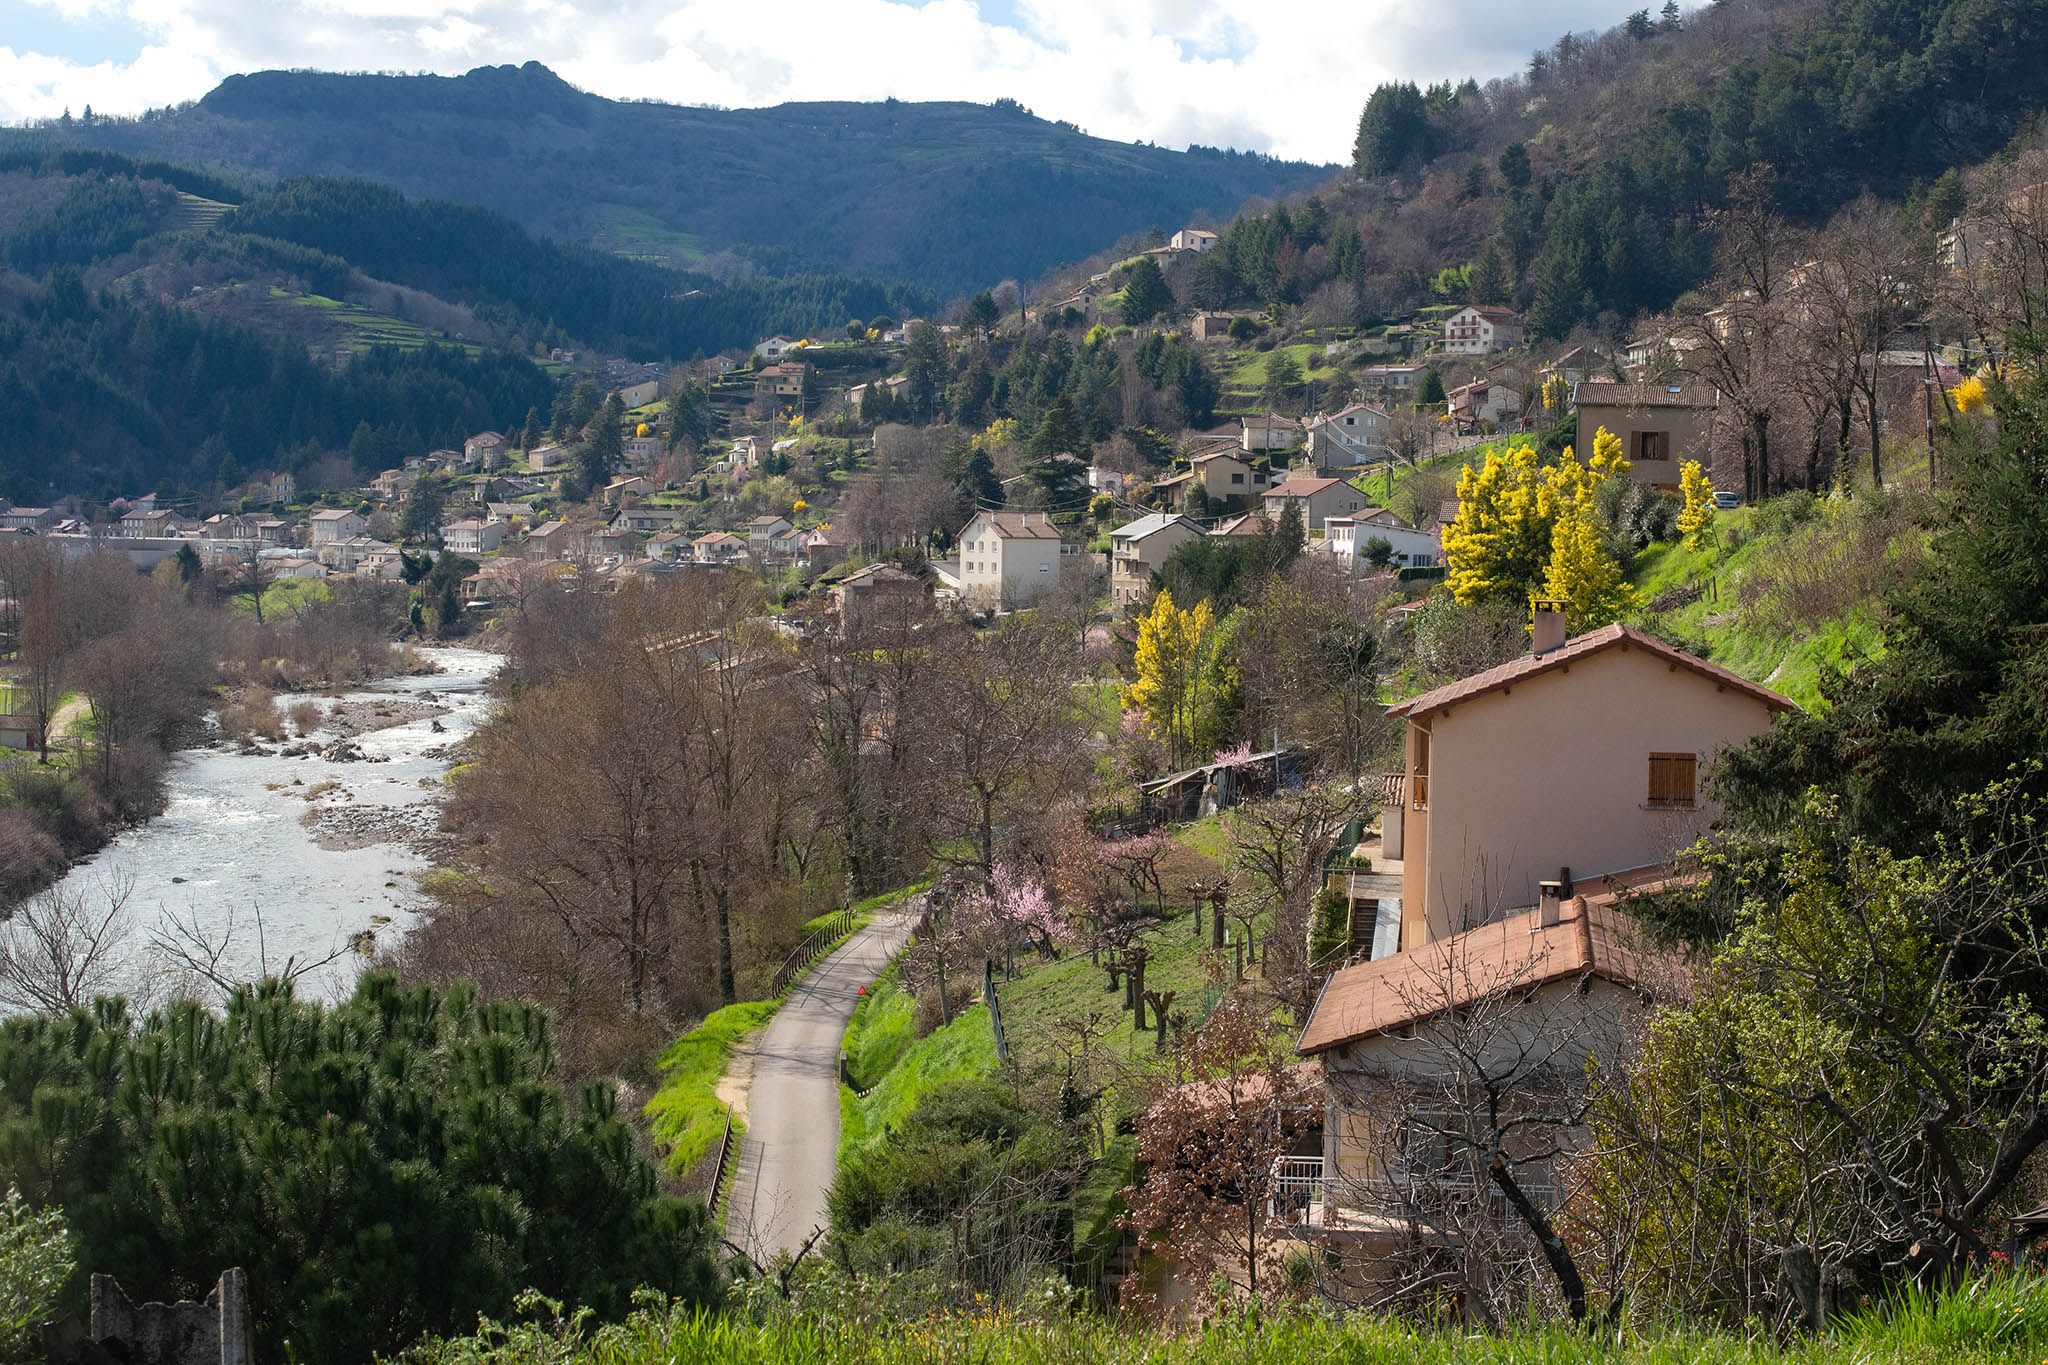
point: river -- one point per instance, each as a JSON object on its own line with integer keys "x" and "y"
{"x": 276, "y": 858}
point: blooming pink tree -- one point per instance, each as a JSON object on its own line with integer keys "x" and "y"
{"x": 1016, "y": 906}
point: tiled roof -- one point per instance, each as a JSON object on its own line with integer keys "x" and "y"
{"x": 1580, "y": 647}
{"x": 1149, "y": 524}
{"x": 1301, "y": 487}
{"x": 1021, "y": 525}
{"x": 1645, "y": 395}
{"x": 1248, "y": 524}
{"x": 1591, "y": 938}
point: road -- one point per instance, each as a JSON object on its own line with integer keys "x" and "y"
{"x": 791, "y": 1153}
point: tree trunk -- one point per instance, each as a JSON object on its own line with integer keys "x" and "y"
{"x": 1555, "y": 1253}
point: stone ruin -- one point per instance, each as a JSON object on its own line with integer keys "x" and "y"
{"x": 215, "y": 1332}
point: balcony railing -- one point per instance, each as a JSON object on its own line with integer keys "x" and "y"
{"x": 1302, "y": 1192}
{"x": 1419, "y": 790}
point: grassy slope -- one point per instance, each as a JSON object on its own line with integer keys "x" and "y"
{"x": 2000, "y": 1322}
{"x": 1791, "y": 660}
{"x": 686, "y": 1112}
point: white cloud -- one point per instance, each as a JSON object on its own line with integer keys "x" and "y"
{"x": 1283, "y": 76}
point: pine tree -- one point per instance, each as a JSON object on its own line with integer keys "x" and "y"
{"x": 1490, "y": 281}
{"x": 1283, "y": 378}
{"x": 1146, "y": 293}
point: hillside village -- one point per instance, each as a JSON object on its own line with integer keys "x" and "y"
{"x": 1355, "y": 780}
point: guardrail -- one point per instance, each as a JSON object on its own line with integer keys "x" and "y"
{"x": 809, "y": 951}
{"x": 720, "y": 1167}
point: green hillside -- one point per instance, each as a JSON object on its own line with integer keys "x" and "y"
{"x": 951, "y": 196}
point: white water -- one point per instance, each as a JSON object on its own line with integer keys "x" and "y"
{"x": 232, "y": 832}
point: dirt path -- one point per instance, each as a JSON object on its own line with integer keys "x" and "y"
{"x": 65, "y": 717}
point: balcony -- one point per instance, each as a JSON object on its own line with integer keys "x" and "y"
{"x": 1304, "y": 1195}
{"x": 1419, "y": 791}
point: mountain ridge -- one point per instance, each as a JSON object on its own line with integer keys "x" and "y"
{"x": 951, "y": 195}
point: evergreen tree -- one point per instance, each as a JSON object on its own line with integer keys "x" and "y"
{"x": 1490, "y": 282}
{"x": 1393, "y": 130}
{"x": 391, "y": 1166}
{"x": 982, "y": 314}
{"x": 1146, "y": 293}
{"x": 532, "y": 434}
{"x": 424, "y": 505}
{"x": 1283, "y": 379}
{"x": 604, "y": 446}
{"x": 1430, "y": 391}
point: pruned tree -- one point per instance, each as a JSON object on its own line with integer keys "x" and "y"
{"x": 1226, "y": 1106}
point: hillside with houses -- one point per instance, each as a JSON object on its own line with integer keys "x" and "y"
{"x": 1426, "y": 769}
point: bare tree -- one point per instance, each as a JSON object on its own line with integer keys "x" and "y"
{"x": 213, "y": 948}
{"x": 1279, "y": 845}
{"x": 65, "y": 946}
{"x": 1869, "y": 281}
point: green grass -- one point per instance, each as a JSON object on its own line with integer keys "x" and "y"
{"x": 884, "y": 1027}
{"x": 686, "y": 1112}
{"x": 853, "y": 1133}
{"x": 962, "y": 1050}
{"x": 1249, "y": 372}
{"x": 282, "y": 596}
{"x": 1999, "y": 1322}
{"x": 1790, "y": 658}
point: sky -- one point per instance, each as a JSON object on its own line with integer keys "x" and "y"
{"x": 1286, "y": 77}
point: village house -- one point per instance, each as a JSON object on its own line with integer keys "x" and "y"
{"x": 763, "y": 531}
{"x": 472, "y": 537}
{"x": 774, "y": 347}
{"x": 394, "y": 483}
{"x": 627, "y": 486}
{"x": 346, "y": 556}
{"x": 1319, "y": 499}
{"x": 1271, "y": 432}
{"x": 1220, "y": 476}
{"x": 667, "y": 547}
{"x": 879, "y": 596}
{"x": 331, "y": 525}
{"x": 825, "y": 547}
{"x": 1408, "y": 1132}
{"x": 719, "y": 547}
{"x": 639, "y": 394}
{"x": 1192, "y": 239}
{"x": 1244, "y": 524}
{"x": 1610, "y": 734}
{"x": 548, "y": 455}
{"x": 1481, "y": 329}
{"x": 1210, "y": 326}
{"x": 272, "y": 530}
{"x": 486, "y": 450}
{"x": 1352, "y": 435}
{"x": 1392, "y": 378}
{"x": 1108, "y": 481}
{"x": 1482, "y": 402}
{"x": 781, "y": 381}
{"x": 1009, "y": 559}
{"x": 1576, "y": 366}
{"x": 644, "y": 452}
{"x": 646, "y": 520}
{"x": 283, "y": 487}
{"x": 1660, "y": 425}
{"x": 551, "y": 540}
{"x": 29, "y": 518}
{"x": 1347, "y": 538}
{"x": 387, "y": 564}
{"x": 311, "y": 569}
{"x": 1138, "y": 551}
{"x": 226, "y": 526}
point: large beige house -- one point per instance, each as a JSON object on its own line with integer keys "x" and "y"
{"x": 332, "y": 526}
{"x": 1479, "y": 329}
{"x": 1007, "y": 559}
{"x": 1137, "y": 551}
{"x": 1585, "y": 754}
{"x": 1220, "y": 475}
{"x": 1660, "y": 425}
{"x": 1319, "y": 499}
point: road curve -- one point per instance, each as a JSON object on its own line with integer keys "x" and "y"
{"x": 791, "y": 1151}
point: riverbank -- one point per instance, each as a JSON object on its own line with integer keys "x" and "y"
{"x": 281, "y": 854}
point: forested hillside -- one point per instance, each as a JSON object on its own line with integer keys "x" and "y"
{"x": 107, "y": 398}
{"x": 950, "y": 196}
{"x": 1583, "y": 190}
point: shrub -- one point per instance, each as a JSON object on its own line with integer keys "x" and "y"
{"x": 35, "y": 1263}
{"x": 305, "y": 717}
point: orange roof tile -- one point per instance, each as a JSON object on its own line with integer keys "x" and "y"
{"x": 1579, "y": 647}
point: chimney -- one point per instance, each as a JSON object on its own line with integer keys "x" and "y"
{"x": 1547, "y": 631}
{"x": 1550, "y": 899}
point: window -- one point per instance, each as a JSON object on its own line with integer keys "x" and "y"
{"x": 1653, "y": 445}
{"x": 1671, "y": 781}
{"x": 1237, "y": 478}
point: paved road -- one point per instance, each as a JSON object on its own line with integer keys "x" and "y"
{"x": 791, "y": 1153}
